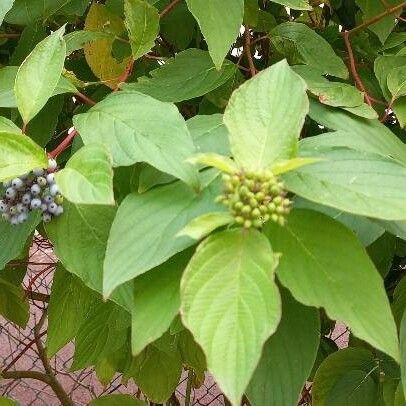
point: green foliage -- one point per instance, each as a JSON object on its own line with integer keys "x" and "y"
{"x": 299, "y": 106}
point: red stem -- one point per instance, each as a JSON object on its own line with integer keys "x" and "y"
{"x": 353, "y": 67}
{"x": 63, "y": 145}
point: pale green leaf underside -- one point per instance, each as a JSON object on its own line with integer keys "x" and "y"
{"x": 318, "y": 273}
{"x": 19, "y": 155}
{"x": 205, "y": 224}
{"x": 146, "y": 130}
{"x": 5, "y": 6}
{"x": 265, "y": 116}
{"x": 355, "y": 133}
{"x": 45, "y": 64}
{"x": 88, "y": 176}
{"x": 231, "y": 304}
{"x": 352, "y": 181}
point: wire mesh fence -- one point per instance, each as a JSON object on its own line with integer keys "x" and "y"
{"x": 21, "y": 359}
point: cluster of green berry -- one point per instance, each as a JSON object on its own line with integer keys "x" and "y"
{"x": 254, "y": 198}
{"x": 36, "y": 190}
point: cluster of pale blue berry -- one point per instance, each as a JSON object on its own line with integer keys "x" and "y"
{"x": 254, "y": 198}
{"x": 35, "y": 190}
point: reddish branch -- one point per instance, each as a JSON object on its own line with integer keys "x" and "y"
{"x": 346, "y": 36}
{"x": 9, "y": 35}
{"x": 353, "y": 67}
{"x": 126, "y": 74}
{"x": 85, "y": 98}
{"x": 169, "y": 8}
{"x": 247, "y": 50}
{"x": 63, "y": 145}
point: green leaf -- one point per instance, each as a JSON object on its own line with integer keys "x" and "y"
{"x": 291, "y": 164}
{"x": 384, "y": 26}
{"x": 28, "y": 11}
{"x": 192, "y": 354}
{"x": 335, "y": 94}
{"x": 295, "y": 4}
{"x": 220, "y": 22}
{"x": 402, "y": 337}
{"x": 7, "y": 79}
{"x": 7, "y": 401}
{"x": 13, "y": 304}
{"x": 365, "y": 229}
{"x": 156, "y": 301}
{"x": 223, "y": 163}
{"x": 13, "y": 239}
{"x": 150, "y": 222}
{"x": 190, "y": 74}
{"x": 308, "y": 48}
{"x": 233, "y": 273}
{"x": 288, "y": 356}
{"x": 4, "y": 8}
{"x": 88, "y": 177}
{"x": 399, "y": 107}
{"x": 383, "y": 65}
{"x": 103, "y": 332}
{"x": 355, "y": 133}
{"x": 80, "y": 239}
{"x": 142, "y": 21}
{"x": 209, "y": 134}
{"x": 19, "y": 155}
{"x": 8, "y": 126}
{"x": 68, "y": 307}
{"x": 397, "y": 82}
{"x": 203, "y": 225}
{"x": 261, "y": 135}
{"x": 350, "y": 373}
{"x": 157, "y": 371}
{"x": 356, "y": 182}
{"x": 117, "y": 400}
{"x": 45, "y": 64}
{"x": 146, "y": 130}
{"x": 315, "y": 270}
{"x": 76, "y": 40}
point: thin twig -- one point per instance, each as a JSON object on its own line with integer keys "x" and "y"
{"x": 353, "y": 67}
{"x": 85, "y": 98}
{"x": 169, "y": 8}
{"x": 247, "y": 50}
{"x": 9, "y": 35}
{"x": 377, "y": 18}
{"x": 63, "y": 145}
{"x": 125, "y": 75}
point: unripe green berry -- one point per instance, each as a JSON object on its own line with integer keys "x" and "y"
{"x": 263, "y": 209}
{"x": 271, "y": 207}
{"x": 260, "y": 196}
{"x": 238, "y": 205}
{"x": 253, "y": 202}
{"x": 239, "y": 220}
{"x": 256, "y": 212}
{"x": 277, "y": 200}
{"x": 274, "y": 217}
{"x": 247, "y": 223}
{"x": 246, "y": 210}
{"x": 257, "y": 223}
